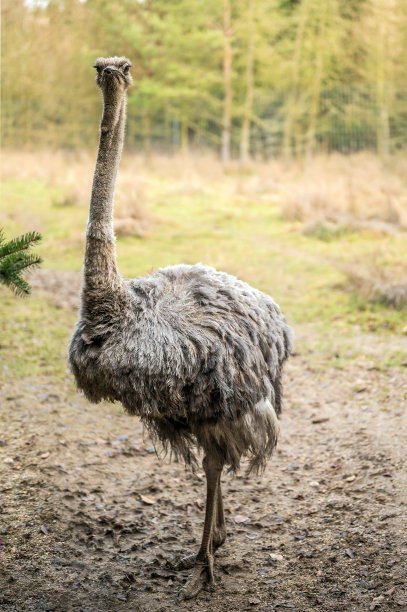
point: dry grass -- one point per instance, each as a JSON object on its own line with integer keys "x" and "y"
{"x": 378, "y": 283}
{"x": 357, "y": 191}
{"x": 69, "y": 175}
{"x": 354, "y": 192}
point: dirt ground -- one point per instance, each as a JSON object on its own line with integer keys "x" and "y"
{"x": 92, "y": 519}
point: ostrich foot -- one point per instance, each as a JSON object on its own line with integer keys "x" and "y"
{"x": 203, "y": 573}
{"x": 187, "y": 562}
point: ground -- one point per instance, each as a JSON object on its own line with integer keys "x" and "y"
{"x": 93, "y": 517}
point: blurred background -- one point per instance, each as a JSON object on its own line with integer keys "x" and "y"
{"x": 268, "y": 139}
{"x": 242, "y": 78}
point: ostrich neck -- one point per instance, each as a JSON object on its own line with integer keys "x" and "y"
{"x": 100, "y": 256}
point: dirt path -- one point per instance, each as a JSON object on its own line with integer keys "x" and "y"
{"x": 90, "y": 516}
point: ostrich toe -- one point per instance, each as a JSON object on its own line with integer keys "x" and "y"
{"x": 202, "y": 575}
{"x": 187, "y": 562}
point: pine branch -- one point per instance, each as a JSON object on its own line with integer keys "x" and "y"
{"x": 14, "y": 259}
{"x": 18, "y": 285}
{"x": 16, "y": 262}
{"x": 21, "y": 243}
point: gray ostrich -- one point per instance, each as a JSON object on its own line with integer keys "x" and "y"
{"x": 195, "y": 353}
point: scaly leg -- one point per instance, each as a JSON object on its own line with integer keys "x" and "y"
{"x": 204, "y": 558}
{"x": 218, "y": 532}
{"x": 219, "y": 529}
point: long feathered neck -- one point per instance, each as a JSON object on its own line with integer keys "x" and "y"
{"x": 100, "y": 255}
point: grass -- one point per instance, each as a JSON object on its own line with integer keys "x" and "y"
{"x": 189, "y": 211}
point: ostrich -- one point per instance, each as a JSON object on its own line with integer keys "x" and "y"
{"x": 195, "y": 353}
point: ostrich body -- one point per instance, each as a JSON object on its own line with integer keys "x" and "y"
{"x": 195, "y": 353}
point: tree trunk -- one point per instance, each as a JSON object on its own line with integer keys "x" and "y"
{"x": 289, "y": 125}
{"x": 248, "y": 106}
{"x": 147, "y": 134}
{"x": 316, "y": 86}
{"x": 227, "y": 82}
{"x": 383, "y": 128}
{"x": 184, "y": 137}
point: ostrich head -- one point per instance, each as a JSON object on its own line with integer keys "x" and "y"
{"x": 113, "y": 73}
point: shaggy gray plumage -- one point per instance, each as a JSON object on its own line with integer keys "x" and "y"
{"x": 192, "y": 351}
{"x": 196, "y": 353}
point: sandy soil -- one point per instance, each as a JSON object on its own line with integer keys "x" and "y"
{"x": 91, "y": 517}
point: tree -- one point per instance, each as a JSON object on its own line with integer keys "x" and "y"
{"x": 248, "y": 103}
{"x": 15, "y": 258}
{"x": 227, "y": 82}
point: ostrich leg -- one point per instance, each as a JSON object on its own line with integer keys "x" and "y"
{"x": 219, "y": 529}
{"x": 204, "y": 558}
{"x": 218, "y": 533}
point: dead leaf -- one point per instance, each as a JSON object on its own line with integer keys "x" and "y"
{"x": 402, "y": 601}
{"x": 390, "y": 591}
{"x": 147, "y": 500}
{"x": 8, "y": 460}
{"x": 241, "y": 519}
{"x": 44, "y": 529}
{"x": 350, "y": 552}
{"x": 198, "y": 504}
{"x": 276, "y": 557}
{"x": 174, "y": 481}
{"x": 350, "y": 478}
{"x": 254, "y": 601}
{"x": 44, "y": 455}
{"x": 376, "y": 601}
{"x": 321, "y": 420}
{"x": 360, "y": 389}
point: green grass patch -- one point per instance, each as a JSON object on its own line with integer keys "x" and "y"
{"x": 34, "y": 336}
{"x": 241, "y": 236}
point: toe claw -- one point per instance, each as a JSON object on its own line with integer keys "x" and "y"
{"x": 202, "y": 574}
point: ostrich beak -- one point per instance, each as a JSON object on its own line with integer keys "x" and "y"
{"x": 109, "y": 70}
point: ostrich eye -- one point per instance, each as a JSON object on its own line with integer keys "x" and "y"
{"x": 126, "y": 68}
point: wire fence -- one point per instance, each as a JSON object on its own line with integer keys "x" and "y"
{"x": 346, "y": 119}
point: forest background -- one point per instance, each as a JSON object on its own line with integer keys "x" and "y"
{"x": 242, "y": 77}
